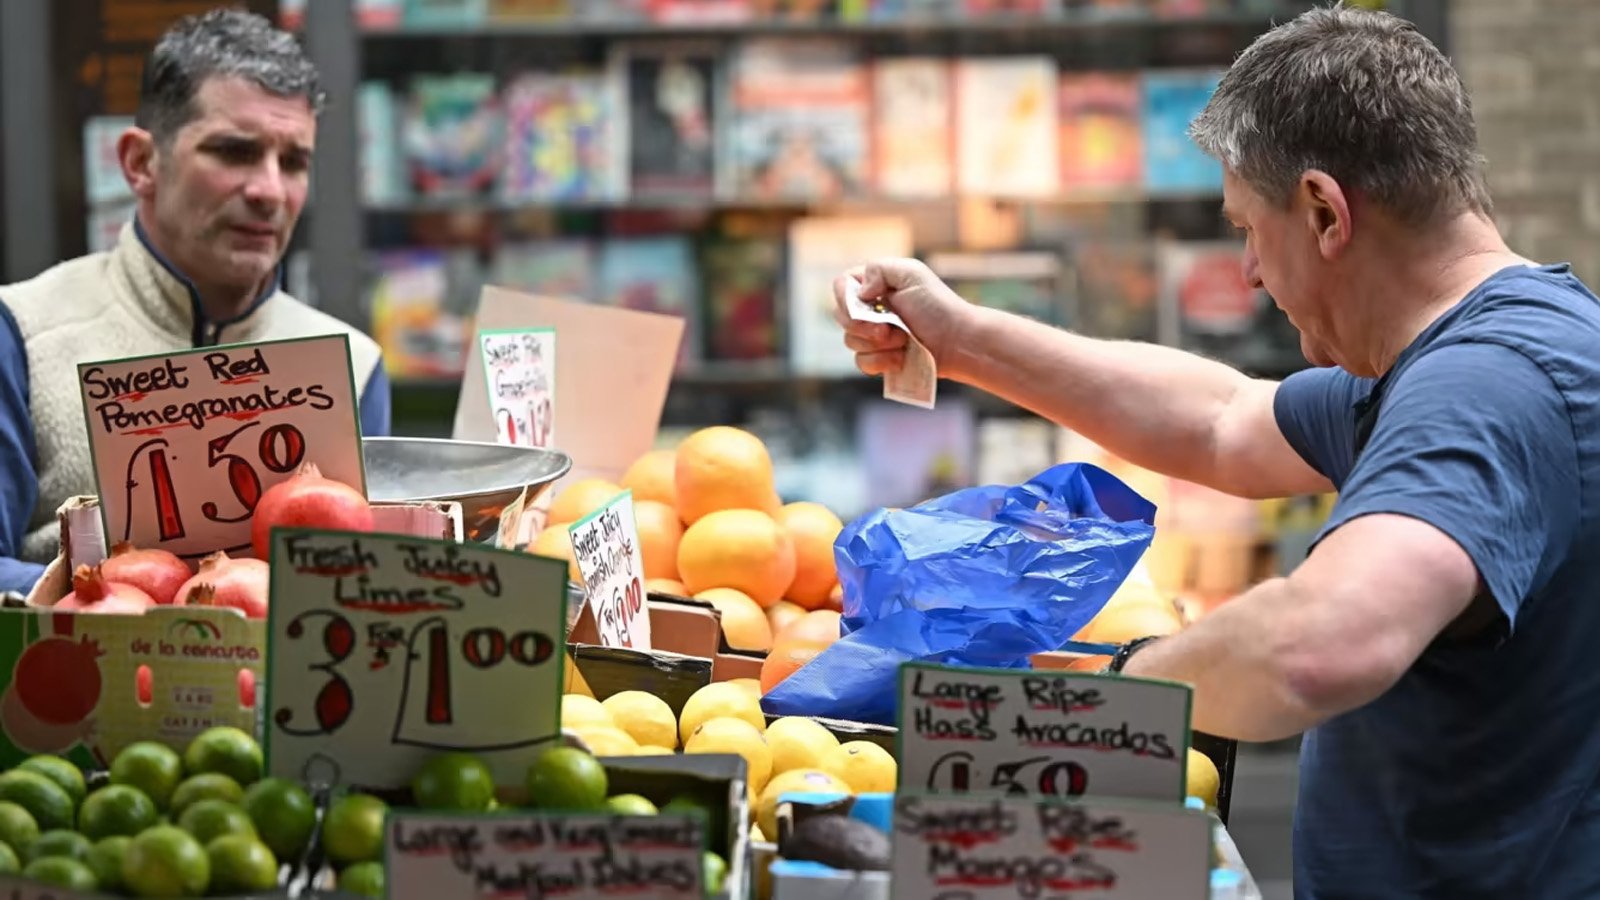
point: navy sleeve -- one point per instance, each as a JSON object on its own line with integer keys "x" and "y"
{"x": 375, "y": 412}
{"x": 1475, "y": 440}
{"x": 19, "y": 480}
{"x": 1315, "y": 409}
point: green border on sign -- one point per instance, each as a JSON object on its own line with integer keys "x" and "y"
{"x": 900, "y": 731}
{"x": 557, "y": 574}
{"x": 355, "y": 403}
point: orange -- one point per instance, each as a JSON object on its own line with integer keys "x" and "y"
{"x": 722, "y": 468}
{"x": 653, "y": 477}
{"x": 835, "y": 599}
{"x": 799, "y": 643}
{"x": 780, "y": 614}
{"x": 555, "y": 541}
{"x": 659, "y": 534}
{"x": 666, "y": 585}
{"x": 743, "y": 623}
{"x": 813, "y": 528}
{"x": 1119, "y": 623}
{"x": 737, "y": 548}
{"x": 580, "y": 498}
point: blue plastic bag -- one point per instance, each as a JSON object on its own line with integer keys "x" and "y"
{"x": 985, "y": 576}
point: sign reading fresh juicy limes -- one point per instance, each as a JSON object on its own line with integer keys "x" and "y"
{"x": 606, "y": 545}
{"x": 1041, "y": 733}
{"x": 386, "y": 650}
{"x": 184, "y": 444}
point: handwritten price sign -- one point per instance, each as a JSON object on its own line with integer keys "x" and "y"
{"x": 384, "y": 650}
{"x": 520, "y": 367}
{"x": 1044, "y": 734}
{"x": 606, "y": 544}
{"x": 544, "y": 855}
{"x": 972, "y": 848}
{"x": 185, "y": 444}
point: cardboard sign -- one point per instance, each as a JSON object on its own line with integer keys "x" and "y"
{"x": 608, "y": 400}
{"x": 70, "y": 683}
{"x": 389, "y": 649}
{"x": 606, "y": 546}
{"x": 1045, "y": 734}
{"x": 519, "y": 369}
{"x": 544, "y": 855}
{"x": 974, "y": 847}
{"x": 184, "y": 444}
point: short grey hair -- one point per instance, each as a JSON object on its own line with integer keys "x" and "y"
{"x": 1361, "y": 95}
{"x": 213, "y": 44}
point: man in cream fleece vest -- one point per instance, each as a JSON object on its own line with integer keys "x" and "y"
{"x": 219, "y": 162}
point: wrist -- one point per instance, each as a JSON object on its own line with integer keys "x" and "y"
{"x": 1125, "y": 653}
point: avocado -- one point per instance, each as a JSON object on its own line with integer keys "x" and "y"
{"x": 838, "y": 841}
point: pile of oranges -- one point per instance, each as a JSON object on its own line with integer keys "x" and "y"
{"x": 712, "y": 527}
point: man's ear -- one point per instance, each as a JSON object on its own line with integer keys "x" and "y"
{"x": 1327, "y": 212}
{"x": 140, "y": 157}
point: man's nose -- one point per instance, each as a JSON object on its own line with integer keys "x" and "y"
{"x": 266, "y": 185}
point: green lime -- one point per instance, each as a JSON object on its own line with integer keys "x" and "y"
{"x": 105, "y": 860}
{"x": 631, "y": 805}
{"x": 9, "y": 864}
{"x": 208, "y": 786}
{"x": 18, "y": 830}
{"x": 60, "y": 842}
{"x": 352, "y": 831}
{"x": 61, "y": 872}
{"x": 151, "y": 767}
{"x": 714, "y": 871}
{"x": 227, "y": 751}
{"x": 65, "y": 774}
{"x": 116, "y": 809}
{"x": 454, "y": 781}
{"x": 166, "y": 862}
{"x": 363, "y": 879}
{"x": 241, "y": 864}
{"x": 208, "y": 820}
{"x": 567, "y": 778}
{"x": 283, "y": 814}
{"x": 42, "y": 798}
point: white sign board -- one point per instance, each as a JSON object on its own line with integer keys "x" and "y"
{"x": 519, "y": 368}
{"x": 606, "y": 545}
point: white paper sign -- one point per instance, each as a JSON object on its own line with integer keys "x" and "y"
{"x": 915, "y": 383}
{"x": 544, "y": 855}
{"x": 520, "y": 370}
{"x": 385, "y": 650}
{"x": 1042, "y": 733}
{"x": 184, "y": 444}
{"x": 973, "y": 847}
{"x": 606, "y": 545}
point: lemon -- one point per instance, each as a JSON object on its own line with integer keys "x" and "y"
{"x": 653, "y": 750}
{"x": 1202, "y": 778}
{"x": 753, "y": 685}
{"x": 645, "y": 717}
{"x": 799, "y": 743}
{"x": 578, "y": 711}
{"x": 727, "y": 734}
{"x": 607, "y": 740}
{"x": 865, "y": 766}
{"x": 724, "y": 699}
{"x": 793, "y": 781}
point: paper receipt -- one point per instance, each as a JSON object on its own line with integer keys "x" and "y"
{"x": 915, "y": 383}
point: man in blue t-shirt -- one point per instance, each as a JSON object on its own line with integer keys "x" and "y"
{"x": 1435, "y": 646}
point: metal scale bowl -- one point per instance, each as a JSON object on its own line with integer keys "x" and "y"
{"x": 484, "y": 478}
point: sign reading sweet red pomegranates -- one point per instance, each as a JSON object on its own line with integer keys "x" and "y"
{"x": 186, "y": 444}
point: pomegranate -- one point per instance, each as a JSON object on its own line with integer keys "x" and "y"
{"x": 93, "y": 592}
{"x": 307, "y": 500}
{"x": 225, "y": 581}
{"x": 156, "y": 572}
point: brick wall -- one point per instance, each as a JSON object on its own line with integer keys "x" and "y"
{"x": 1533, "y": 67}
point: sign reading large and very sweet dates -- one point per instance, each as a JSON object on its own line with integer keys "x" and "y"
{"x": 185, "y": 444}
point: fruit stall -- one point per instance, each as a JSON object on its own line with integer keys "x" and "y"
{"x": 276, "y": 658}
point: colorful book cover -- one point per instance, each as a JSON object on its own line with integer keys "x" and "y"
{"x": 446, "y": 13}
{"x": 670, "y": 93}
{"x": 557, "y": 128}
{"x": 1023, "y": 282}
{"x": 912, "y": 144}
{"x": 1172, "y": 162}
{"x": 820, "y": 249}
{"x": 452, "y": 134}
{"x": 654, "y": 274}
{"x": 103, "y": 180}
{"x": 897, "y": 10}
{"x": 1100, "y": 132}
{"x": 913, "y": 454}
{"x": 1006, "y": 128}
{"x": 410, "y": 321}
{"x": 801, "y": 111}
{"x": 742, "y": 277}
{"x": 559, "y": 267}
{"x": 378, "y": 118}
{"x": 529, "y": 10}
{"x": 1023, "y": 7}
{"x": 1117, "y": 289}
{"x": 699, "y": 12}
{"x": 794, "y": 10}
{"x": 1204, "y": 283}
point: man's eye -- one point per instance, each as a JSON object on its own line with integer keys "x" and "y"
{"x": 236, "y": 153}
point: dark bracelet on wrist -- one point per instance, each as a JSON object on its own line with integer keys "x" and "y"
{"x": 1126, "y": 651}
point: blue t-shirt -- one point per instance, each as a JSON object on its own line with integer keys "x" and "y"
{"x": 1478, "y": 773}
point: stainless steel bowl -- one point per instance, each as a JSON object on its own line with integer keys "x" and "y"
{"x": 482, "y": 477}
